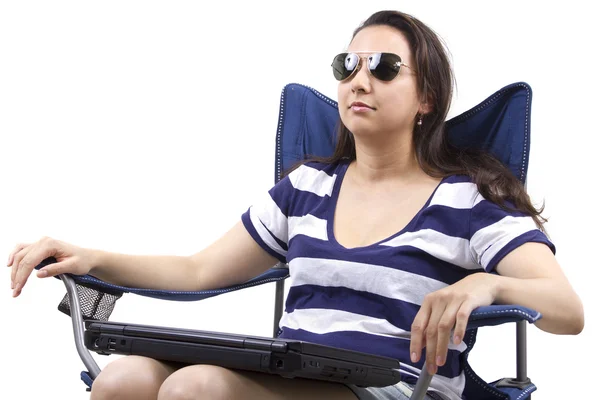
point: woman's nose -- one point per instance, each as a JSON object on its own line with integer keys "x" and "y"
{"x": 361, "y": 81}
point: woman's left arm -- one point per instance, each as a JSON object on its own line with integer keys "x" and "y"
{"x": 531, "y": 277}
{"x": 528, "y": 276}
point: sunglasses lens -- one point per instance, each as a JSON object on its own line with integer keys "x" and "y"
{"x": 344, "y": 64}
{"x": 384, "y": 66}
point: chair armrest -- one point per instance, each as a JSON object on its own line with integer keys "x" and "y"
{"x": 501, "y": 314}
{"x": 278, "y": 273}
{"x": 272, "y": 275}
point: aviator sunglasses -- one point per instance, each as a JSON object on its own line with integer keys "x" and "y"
{"x": 382, "y": 66}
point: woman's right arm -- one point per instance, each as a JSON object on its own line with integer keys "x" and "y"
{"x": 232, "y": 259}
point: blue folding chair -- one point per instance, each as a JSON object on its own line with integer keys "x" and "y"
{"x": 306, "y": 127}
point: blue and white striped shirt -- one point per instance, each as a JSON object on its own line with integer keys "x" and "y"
{"x": 366, "y": 298}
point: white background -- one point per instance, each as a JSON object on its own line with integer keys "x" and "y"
{"x": 148, "y": 128}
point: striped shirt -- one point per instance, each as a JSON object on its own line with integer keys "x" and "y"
{"x": 366, "y": 298}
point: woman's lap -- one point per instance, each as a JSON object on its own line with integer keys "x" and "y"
{"x": 128, "y": 377}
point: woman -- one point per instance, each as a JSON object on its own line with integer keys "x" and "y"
{"x": 391, "y": 242}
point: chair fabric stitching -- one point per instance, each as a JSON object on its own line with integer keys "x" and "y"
{"x": 523, "y": 313}
{"x": 524, "y": 158}
{"x": 527, "y": 391}
{"x": 471, "y": 373}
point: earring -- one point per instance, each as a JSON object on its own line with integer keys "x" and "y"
{"x": 420, "y": 121}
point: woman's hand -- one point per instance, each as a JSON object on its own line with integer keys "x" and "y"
{"x": 448, "y": 310}
{"x": 25, "y": 257}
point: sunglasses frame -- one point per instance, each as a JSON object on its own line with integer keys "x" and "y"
{"x": 366, "y": 55}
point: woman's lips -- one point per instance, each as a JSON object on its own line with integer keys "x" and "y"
{"x": 361, "y": 108}
{"x": 357, "y": 106}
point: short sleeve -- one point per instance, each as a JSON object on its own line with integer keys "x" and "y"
{"x": 267, "y": 219}
{"x": 495, "y": 232}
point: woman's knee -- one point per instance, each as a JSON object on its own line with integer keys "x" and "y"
{"x": 199, "y": 382}
{"x": 130, "y": 378}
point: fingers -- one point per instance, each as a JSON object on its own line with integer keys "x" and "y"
{"x": 417, "y": 332}
{"x": 444, "y": 328}
{"x": 26, "y": 261}
{"x": 431, "y": 335}
{"x": 56, "y": 268}
{"x": 16, "y": 260}
{"x": 12, "y": 254}
{"x": 440, "y": 313}
{"x": 462, "y": 319}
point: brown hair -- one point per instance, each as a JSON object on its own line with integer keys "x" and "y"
{"x": 434, "y": 153}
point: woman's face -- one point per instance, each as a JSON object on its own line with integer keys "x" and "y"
{"x": 394, "y": 105}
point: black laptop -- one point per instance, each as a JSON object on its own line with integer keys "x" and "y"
{"x": 284, "y": 357}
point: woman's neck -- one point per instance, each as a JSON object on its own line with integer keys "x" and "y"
{"x": 380, "y": 162}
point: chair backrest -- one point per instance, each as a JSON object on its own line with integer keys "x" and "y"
{"x": 499, "y": 124}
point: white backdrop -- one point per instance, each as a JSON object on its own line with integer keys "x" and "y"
{"x": 148, "y": 127}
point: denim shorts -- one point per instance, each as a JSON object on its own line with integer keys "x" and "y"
{"x": 400, "y": 391}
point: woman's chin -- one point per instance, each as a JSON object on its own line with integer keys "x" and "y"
{"x": 362, "y": 130}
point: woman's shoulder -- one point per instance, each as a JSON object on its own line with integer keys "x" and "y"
{"x": 462, "y": 191}
{"x": 457, "y": 191}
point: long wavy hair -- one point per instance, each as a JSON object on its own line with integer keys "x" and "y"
{"x": 434, "y": 152}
